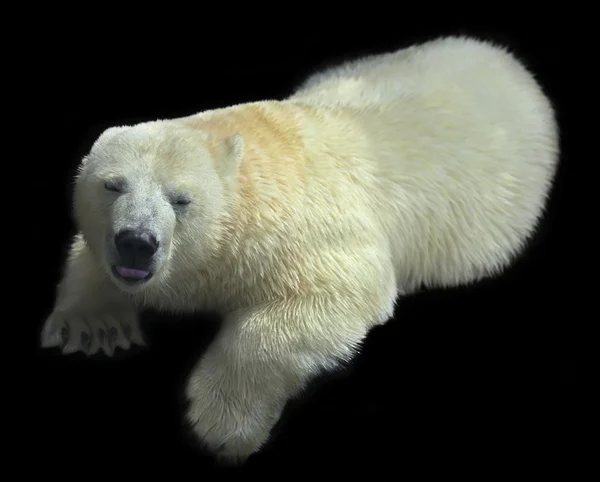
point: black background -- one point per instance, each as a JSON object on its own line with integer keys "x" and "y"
{"x": 482, "y": 376}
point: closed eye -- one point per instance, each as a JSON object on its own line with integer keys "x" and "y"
{"x": 181, "y": 201}
{"x": 114, "y": 186}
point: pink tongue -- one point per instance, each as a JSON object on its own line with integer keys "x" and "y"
{"x": 131, "y": 273}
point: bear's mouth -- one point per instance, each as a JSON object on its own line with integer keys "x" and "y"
{"x": 131, "y": 276}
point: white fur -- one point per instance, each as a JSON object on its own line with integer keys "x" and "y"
{"x": 429, "y": 166}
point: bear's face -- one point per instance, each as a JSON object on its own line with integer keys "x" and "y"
{"x": 151, "y": 199}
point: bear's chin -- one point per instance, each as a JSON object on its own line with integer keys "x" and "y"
{"x": 130, "y": 277}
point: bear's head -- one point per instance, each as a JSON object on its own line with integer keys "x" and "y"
{"x": 154, "y": 197}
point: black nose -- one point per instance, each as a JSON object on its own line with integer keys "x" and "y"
{"x": 136, "y": 248}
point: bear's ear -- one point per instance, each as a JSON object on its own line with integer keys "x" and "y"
{"x": 114, "y": 130}
{"x": 235, "y": 148}
{"x": 231, "y": 154}
{"x": 110, "y": 132}
{"x": 82, "y": 163}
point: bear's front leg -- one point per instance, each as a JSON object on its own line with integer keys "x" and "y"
{"x": 90, "y": 313}
{"x": 263, "y": 357}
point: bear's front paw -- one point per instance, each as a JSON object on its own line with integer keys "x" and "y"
{"x": 231, "y": 424}
{"x": 90, "y": 332}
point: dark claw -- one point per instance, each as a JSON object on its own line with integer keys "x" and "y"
{"x": 101, "y": 336}
{"x": 127, "y": 331}
{"x": 64, "y": 336}
{"x": 113, "y": 336}
{"x": 86, "y": 341}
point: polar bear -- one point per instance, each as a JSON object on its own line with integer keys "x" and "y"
{"x": 302, "y": 220}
